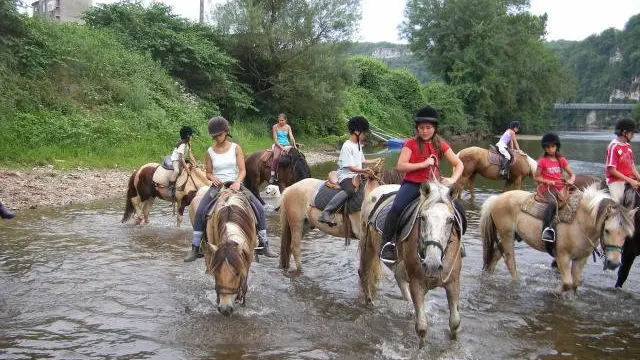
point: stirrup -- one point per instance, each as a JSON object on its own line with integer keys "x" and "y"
{"x": 393, "y": 248}
{"x": 259, "y": 247}
{"x": 549, "y": 230}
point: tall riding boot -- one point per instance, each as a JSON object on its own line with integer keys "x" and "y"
{"x": 192, "y": 255}
{"x": 549, "y": 223}
{"x": 504, "y": 165}
{"x": 6, "y": 213}
{"x": 263, "y": 245}
{"x": 337, "y": 201}
{"x": 388, "y": 251}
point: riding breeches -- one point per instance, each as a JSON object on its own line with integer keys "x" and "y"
{"x": 209, "y": 199}
{"x": 277, "y": 151}
{"x": 616, "y": 189}
{"x": 176, "y": 170}
{"x": 504, "y": 151}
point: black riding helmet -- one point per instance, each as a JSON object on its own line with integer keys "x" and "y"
{"x": 514, "y": 124}
{"x": 358, "y": 123}
{"x": 218, "y": 125}
{"x": 185, "y": 132}
{"x": 550, "y": 138}
{"x": 427, "y": 114}
{"x": 625, "y": 124}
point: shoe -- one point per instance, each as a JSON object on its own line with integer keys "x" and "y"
{"x": 6, "y": 213}
{"x": 326, "y": 218}
{"x": 548, "y": 234}
{"x": 389, "y": 253}
{"x": 192, "y": 255}
{"x": 265, "y": 250}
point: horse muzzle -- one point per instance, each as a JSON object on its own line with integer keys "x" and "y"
{"x": 610, "y": 264}
{"x": 226, "y": 309}
{"x": 431, "y": 265}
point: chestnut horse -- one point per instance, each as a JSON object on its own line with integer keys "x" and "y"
{"x": 296, "y": 209}
{"x": 476, "y": 161}
{"x": 228, "y": 252}
{"x": 293, "y": 167}
{"x": 597, "y": 217}
{"x": 430, "y": 257}
{"x": 150, "y": 181}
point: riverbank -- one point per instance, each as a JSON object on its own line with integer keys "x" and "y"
{"x": 50, "y": 187}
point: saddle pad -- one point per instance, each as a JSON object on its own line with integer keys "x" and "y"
{"x": 161, "y": 176}
{"x": 405, "y": 223}
{"x": 324, "y": 194}
{"x": 493, "y": 156}
{"x": 565, "y": 214}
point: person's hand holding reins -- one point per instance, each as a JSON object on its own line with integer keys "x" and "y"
{"x": 635, "y": 184}
{"x": 215, "y": 181}
{"x": 368, "y": 171}
{"x": 447, "y": 181}
{"x": 429, "y": 162}
{"x": 235, "y": 186}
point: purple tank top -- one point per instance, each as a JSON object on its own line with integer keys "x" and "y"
{"x": 506, "y": 138}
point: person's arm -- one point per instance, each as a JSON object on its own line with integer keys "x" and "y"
{"x": 619, "y": 175}
{"x": 514, "y": 140}
{"x": 538, "y": 177}
{"x": 458, "y": 167}
{"x": 242, "y": 171}
{"x": 572, "y": 175}
{"x": 274, "y": 133}
{"x": 404, "y": 166}
{"x": 208, "y": 168}
{"x": 372, "y": 161}
{"x": 293, "y": 140}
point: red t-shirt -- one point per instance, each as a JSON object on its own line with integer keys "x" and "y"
{"x": 620, "y": 157}
{"x": 424, "y": 174}
{"x": 551, "y": 169}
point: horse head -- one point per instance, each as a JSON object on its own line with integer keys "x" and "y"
{"x": 294, "y": 162}
{"x": 437, "y": 219}
{"x": 230, "y": 267}
{"x": 613, "y": 224}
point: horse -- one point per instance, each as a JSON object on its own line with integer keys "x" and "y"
{"x": 296, "y": 210}
{"x": 151, "y": 181}
{"x": 476, "y": 161}
{"x": 292, "y": 168}
{"x": 430, "y": 256}
{"x": 229, "y": 251}
{"x": 597, "y": 215}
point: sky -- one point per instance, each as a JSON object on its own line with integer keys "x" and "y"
{"x": 567, "y": 19}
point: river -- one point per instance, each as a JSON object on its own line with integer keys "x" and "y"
{"x": 77, "y": 284}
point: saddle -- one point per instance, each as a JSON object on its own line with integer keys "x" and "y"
{"x": 495, "y": 157}
{"x": 167, "y": 163}
{"x": 161, "y": 176}
{"x": 266, "y": 156}
{"x": 535, "y": 206}
{"x": 325, "y": 192}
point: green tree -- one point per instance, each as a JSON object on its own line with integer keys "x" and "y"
{"x": 291, "y": 52}
{"x": 493, "y": 51}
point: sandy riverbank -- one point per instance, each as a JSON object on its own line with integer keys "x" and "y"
{"x": 49, "y": 187}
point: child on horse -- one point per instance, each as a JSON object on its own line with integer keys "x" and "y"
{"x": 180, "y": 156}
{"x": 281, "y": 132}
{"x": 224, "y": 163}
{"x": 551, "y": 186}
{"x": 620, "y": 168}
{"x": 350, "y": 164}
{"x": 508, "y": 141}
{"x": 420, "y": 161}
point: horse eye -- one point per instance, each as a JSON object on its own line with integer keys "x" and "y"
{"x": 606, "y": 231}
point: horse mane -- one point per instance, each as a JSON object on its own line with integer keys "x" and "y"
{"x": 598, "y": 201}
{"x": 233, "y": 209}
{"x": 533, "y": 165}
{"x": 392, "y": 176}
{"x": 300, "y": 166}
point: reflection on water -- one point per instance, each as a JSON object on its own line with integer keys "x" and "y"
{"x": 78, "y": 284}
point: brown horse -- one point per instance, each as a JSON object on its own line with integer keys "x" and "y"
{"x": 293, "y": 167}
{"x": 229, "y": 251}
{"x": 476, "y": 161}
{"x": 296, "y": 209}
{"x": 597, "y": 216}
{"x": 430, "y": 257}
{"x": 151, "y": 181}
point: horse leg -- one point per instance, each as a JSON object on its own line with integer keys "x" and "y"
{"x": 508, "y": 252}
{"x": 452, "y": 289}
{"x": 472, "y": 187}
{"x": 296, "y": 239}
{"x": 417, "y": 295}
{"x": 565, "y": 273}
{"x": 402, "y": 283}
{"x": 147, "y": 208}
{"x": 137, "y": 206}
{"x": 576, "y": 272}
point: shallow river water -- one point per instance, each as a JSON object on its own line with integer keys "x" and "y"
{"x": 77, "y": 284}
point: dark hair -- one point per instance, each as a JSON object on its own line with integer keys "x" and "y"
{"x": 282, "y": 115}
{"x": 358, "y": 123}
{"x": 436, "y": 140}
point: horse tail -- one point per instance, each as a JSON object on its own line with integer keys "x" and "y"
{"x": 285, "y": 239}
{"x": 369, "y": 270}
{"x": 129, "y": 210}
{"x": 488, "y": 232}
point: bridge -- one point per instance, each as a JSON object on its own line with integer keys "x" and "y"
{"x": 598, "y": 115}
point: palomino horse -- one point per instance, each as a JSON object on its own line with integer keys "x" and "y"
{"x": 476, "y": 161}
{"x": 296, "y": 208}
{"x": 151, "y": 181}
{"x": 293, "y": 167}
{"x": 597, "y": 216}
{"x": 228, "y": 253}
{"x": 430, "y": 256}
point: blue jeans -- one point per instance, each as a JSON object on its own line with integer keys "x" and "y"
{"x": 408, "y": 192}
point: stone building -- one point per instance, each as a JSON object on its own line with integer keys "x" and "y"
{"x": 61, "y": 10}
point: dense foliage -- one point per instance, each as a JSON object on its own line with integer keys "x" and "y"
{"x": 404, "y": 60}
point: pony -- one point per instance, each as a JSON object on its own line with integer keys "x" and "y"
{"x": 151, "y": 181}
{"x": 296, "y": 209}
{"x": 229, "y": 251}
{"x": 293, "y": 167}
{"x": 597, "y": 216}
{"x": 476, "y": 161}
{"x": 430, "y": 256}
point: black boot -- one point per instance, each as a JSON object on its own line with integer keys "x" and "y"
{"x": 504, "y": 168}
{"x": 263, "y": 245}
{"x": 388, "y": 249}
{"x": 192, "y": 255}
{"x": 6, "y": 213}
{"x": 171, "y": 189}
{"x": 337, "y": 201}
{"x": 548, "y": 223}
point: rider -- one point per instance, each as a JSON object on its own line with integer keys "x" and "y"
{"x": 349, "y": 166}
{"x": 6, "y": 213}
{"x": 180, "y": 156}
{"x": 508, "y": 141}
{"x": 420, "y": 161}
{"x": 552, "y": 183}
{"x": 224, "y": 162}
{"x": 620, "y": 168}
{"x": 281, "y": 132}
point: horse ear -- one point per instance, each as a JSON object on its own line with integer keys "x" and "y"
{"x": 425, "y": 189}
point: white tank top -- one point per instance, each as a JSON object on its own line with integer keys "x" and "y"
{"x": 224, "y": 165}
